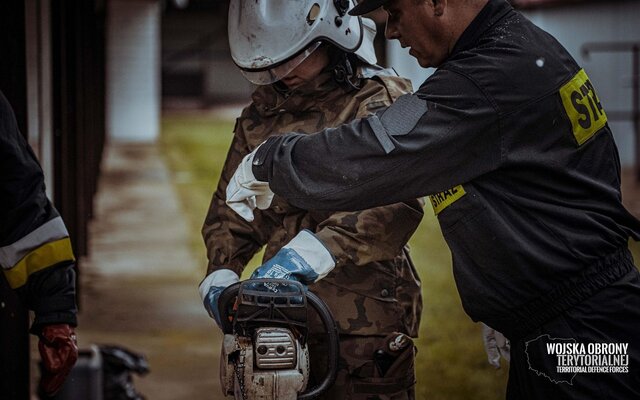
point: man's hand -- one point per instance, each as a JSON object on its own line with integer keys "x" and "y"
{"x": 59, "y": 352}
{"x": 495, "y": 345}
{"x": 304, "y": 259}
{"x": 212, "y": 287}
{"x": 245, "y": 193}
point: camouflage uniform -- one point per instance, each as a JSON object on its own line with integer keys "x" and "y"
{"x": 374, "y": 289}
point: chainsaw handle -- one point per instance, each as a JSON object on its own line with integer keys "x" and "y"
{"x": 334, "y": 347}
{"x": 228, "y": 297}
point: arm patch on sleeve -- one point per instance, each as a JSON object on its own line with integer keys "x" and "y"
{"x": 397, "y": 120}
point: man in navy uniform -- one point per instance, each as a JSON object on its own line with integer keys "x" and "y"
{"x": 510, "y": 141}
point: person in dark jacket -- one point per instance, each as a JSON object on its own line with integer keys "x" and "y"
{"x": 510, "y": 141}
{"x": 35, "y": 252}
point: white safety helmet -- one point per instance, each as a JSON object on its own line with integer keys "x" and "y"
{"x": 269, "y": 38}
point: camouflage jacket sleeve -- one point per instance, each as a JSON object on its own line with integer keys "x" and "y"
{"x": 230, "y": 240}
{"x": 375, "y": 234}
{"x": 380, "y": 233}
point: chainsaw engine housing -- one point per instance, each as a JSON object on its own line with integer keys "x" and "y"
{"x": 274, "y": 365}
{"x": 265, "y": 353}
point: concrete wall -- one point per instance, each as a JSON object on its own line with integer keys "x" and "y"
{"x": 133, "y": 70}
{"x": 574, "y": 26}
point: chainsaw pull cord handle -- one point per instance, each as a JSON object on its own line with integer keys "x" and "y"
{"x": 331, "y": 329}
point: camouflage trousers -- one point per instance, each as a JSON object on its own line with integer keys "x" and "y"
{"x": 370, "y": 367}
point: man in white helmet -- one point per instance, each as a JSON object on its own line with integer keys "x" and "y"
{"x": 315, "y": 67}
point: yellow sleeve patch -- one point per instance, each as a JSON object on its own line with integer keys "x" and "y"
{"x": 45, "y": 256}
{"x": 583, "y": 107}
{"x": 442, "y": 200}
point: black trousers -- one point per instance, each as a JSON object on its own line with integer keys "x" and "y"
{"x": 591, "y": 351}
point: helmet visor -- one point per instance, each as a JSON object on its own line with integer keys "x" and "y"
{"x": 274, "y": 74}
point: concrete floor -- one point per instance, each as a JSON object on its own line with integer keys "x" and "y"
{"x": 139, "y": 285}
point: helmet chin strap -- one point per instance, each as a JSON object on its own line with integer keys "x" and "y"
{"x": 343, "y": 72}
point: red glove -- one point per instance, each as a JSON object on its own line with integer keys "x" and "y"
{"x": 59, "y": 352}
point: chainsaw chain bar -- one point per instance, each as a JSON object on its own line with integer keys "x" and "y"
{"x": 238, "y": 367}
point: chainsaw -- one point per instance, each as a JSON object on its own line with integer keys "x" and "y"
{"x": 265, "y": 353}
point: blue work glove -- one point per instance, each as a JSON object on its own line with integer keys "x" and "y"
{"x": 304, "y": 259}
{"x": 212, "y": 287}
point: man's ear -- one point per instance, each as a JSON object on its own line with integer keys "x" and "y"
{"x": 438, "y": 7}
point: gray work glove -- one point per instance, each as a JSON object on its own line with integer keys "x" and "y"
{"x": 495, "y": 345}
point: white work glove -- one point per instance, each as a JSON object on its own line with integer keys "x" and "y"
{"x": 496, "y": 345}
{"x": 304, "y": 259}
{"x": 212, "y": 287}
{"x": 245, "y": 193}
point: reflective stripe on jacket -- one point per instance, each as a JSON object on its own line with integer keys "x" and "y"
{"x": 35, "y": 251}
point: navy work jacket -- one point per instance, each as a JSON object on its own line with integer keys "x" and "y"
{"x": 510, "y": 141}
{"x": 36, "y": 257}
